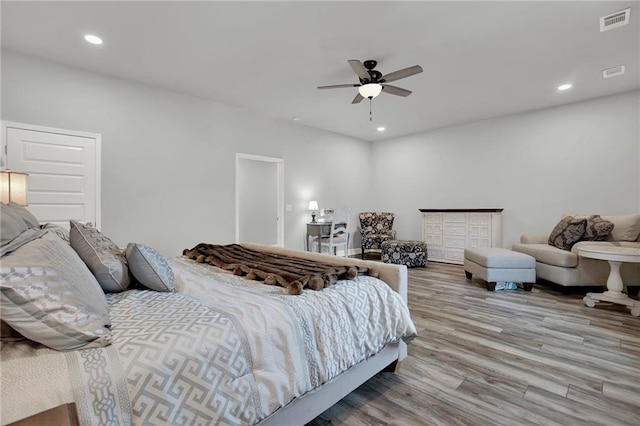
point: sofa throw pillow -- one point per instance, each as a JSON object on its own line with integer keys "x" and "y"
{"x": 567, "y": 232}
{"x": 150, "y": 268}
{"x": 49, "y": 296}
{"x": 597, "y": 229}
{"x": 103, "y": 257}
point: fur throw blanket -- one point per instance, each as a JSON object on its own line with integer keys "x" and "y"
{"x": 292, "y": 273}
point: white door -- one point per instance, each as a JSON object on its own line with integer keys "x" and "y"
{"x": 259, "y": 199}
{"x": 63, "y": 168}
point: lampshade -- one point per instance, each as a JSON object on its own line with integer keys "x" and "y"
{"x": 313, "y": 205}
{"x": 13, "y": 187}
{"x": 370, "y": 90}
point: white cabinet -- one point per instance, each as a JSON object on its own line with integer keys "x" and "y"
{"x": 448, "y": 232}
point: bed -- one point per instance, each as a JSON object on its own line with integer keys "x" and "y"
{"x": 219, "y": 348}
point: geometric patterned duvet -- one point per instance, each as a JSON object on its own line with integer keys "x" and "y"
{"x": 184, "y": 363}
{"x": 225, "y": 350}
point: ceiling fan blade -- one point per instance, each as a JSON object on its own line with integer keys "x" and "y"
{"x": 357, "y": 99}
{"x": 359, "y": 69}
{"x": 395, "y": 90}
{"x": 338, "y": 86}
{"x": 397, "y": 75}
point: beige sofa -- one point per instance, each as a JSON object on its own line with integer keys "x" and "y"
{"x": 566, "y": 268}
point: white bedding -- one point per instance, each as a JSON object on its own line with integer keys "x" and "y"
{"x": 300, "y": 342}
{"x": 221, "y": 350}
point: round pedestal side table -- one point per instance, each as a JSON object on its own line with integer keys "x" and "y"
{"x": 616, "y": 256}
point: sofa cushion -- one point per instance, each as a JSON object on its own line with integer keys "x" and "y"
{"x": 598, "y": 229}
{"x": 626, "y": 227}
{"x": 567, "y": 232}
{"x": 550, "y": 255}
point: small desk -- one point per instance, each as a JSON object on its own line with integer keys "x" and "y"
{"x": 318, "y": 229}
{"x": 616, "y": 256}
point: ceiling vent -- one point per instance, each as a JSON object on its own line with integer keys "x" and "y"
{"x": 613, "y": 72}
{"x": 615, "y": 20}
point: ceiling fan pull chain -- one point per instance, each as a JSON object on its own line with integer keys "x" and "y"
{"x": 370, "y": 114}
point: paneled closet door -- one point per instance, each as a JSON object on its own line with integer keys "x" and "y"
{"x": 63, "y": 168}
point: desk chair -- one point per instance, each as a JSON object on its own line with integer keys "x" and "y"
{"x": 338, "y": 238}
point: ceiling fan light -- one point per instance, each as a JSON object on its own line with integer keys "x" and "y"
{"x": 370, "y": 90}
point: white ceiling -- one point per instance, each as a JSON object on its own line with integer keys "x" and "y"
{"x": 480, "y": 59}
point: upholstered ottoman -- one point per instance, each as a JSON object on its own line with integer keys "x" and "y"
{"x": 498, "y": 264}
{"x": 409, "y": 253}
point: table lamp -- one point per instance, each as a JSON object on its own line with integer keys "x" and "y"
{"x": 313, "y": 206}
{"x": 13, "y": 187}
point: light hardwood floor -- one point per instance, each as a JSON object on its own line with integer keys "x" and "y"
{"x": 503, "y": 358}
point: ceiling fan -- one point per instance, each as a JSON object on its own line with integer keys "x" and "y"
{"x": 372, "y": 82}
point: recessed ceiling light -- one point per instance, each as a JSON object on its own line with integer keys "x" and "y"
{"x": 93, "y": 39}
{"x": 381, "y": 129}
{"x": 564, "y": 87}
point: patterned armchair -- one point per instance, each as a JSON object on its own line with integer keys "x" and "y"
{"x": 375, "y": 228}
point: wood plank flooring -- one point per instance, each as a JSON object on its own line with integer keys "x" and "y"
{"x": 503, "y": 358}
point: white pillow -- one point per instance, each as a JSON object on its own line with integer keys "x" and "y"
{"x": 49, "y": 296}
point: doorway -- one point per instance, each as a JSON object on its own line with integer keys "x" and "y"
{"x": 259, "y": 199}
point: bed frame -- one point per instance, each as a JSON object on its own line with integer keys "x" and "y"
{"x": 310, "y": 405}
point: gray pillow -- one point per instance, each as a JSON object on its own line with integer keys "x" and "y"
{"x": 567, "y": 232}
{"x": 150, "y": 268}
{"x": 49, "y": 296}
{"x": 11, "y": 224}
{"x": 26, "y": 215}
{"x": 104, "y": 259}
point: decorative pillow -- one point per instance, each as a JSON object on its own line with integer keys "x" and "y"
{"x": 104, "y": 259}
{"x": 150, "y": 268}
{"x": 567, "y": 232}
{"x": 49, "y": 296}
{"x": 627, "y": 227}
{"x": 26, "y": 215}
{"x": 598, "y": 229}
{"x": 11, "y": 224}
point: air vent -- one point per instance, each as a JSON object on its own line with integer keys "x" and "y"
{"x": 613, "y": 72}
{"x": 615, "y": 20}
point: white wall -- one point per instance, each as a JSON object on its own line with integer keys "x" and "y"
{"x": 168, "y": 159}
{"x": 581, "y": 158}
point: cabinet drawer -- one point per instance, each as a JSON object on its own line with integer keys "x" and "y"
{"x": 455, "y": 217}
{"x": 455, "y": 229}
{"x": 453, "y": 242}
{"x": 454, "y": 256}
